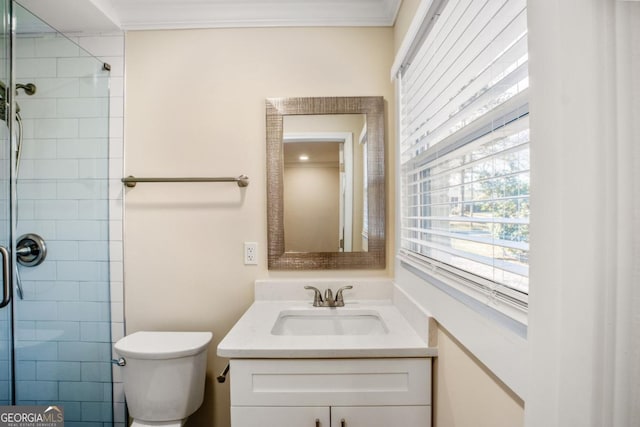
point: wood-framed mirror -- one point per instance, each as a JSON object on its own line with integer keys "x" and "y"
{"x": 354, "y": 211}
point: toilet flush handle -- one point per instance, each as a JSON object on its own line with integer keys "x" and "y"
{"x": 119, "y": 362}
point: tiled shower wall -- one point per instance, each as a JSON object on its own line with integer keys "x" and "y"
{"x": 65, "y": 327}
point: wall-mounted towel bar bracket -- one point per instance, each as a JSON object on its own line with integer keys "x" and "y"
{"x": 242, "y": 180}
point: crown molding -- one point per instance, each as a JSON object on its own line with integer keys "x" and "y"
{"x": 184, "y": 14}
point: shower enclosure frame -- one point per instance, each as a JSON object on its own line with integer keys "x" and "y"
{"x": 64, "y": 388}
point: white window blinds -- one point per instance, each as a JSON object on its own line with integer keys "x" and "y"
{"x": 464, "y": 150}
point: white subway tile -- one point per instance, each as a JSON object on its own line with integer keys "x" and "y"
{"x": 37, "y": 189}
{"x": 57, "y": 331}
{"x": 28, "y": 128}
{"x": 56, "y": 169}
{"x": 84, "y": 352}
{"x": 56, "y": 128}
{"x": 25, "y": 370}
{"x": 82, "y": 230}
{"x": 25, "y": 330}
{"x": 116, "y": 169}
{"x": 117, "y": 310}
{"x": 37, "y": 108}
{"x": 94, "y": 86}
{"x": 56, "y": 291}
{"x": 38, "y": 149}
{"x": 58, "y": 87}
{"x": 46, "y": 228}
{"x": 116, "y": 271}
{"x": 83, "y": 107}
{"x": 83, "y": 311}
{"x": 94, "y": 291}
{"x": 84, "y": 271}
{"x": 94, "y": 250}
{"x": 116, "y": 106}
{"x": 93, "y": 127}
{"x": 116, "y": 148}
{"x": 116, "y": 87}
{"x": 116, "y": 127}
{"x": 117, "y": 330}
{"x": 55, "y": 47}
{"x": 115, "y": 230}
{"x": 95, "y": 332}
{"x": 118, "y": 392}
{"x": 25, "y": 210}
{"x": 36, "y": 310}
{"x": 83, "y": 148}
{"x": 115, "y": 246}
{"x": 78, "y": 67}
{"x": 115, "y": 213}
{"x": 117, "y": 292}
{"x": 58, "y": 371}
{"x": 29, "y": 68}
{"x": 116, "y": 189}
{"x": 83, "y": 190}
{"x": 59, "y": 250}
{"x": 44, "y": 272}
{"x": 93, "y": 168}
{"x": 93, "y": 209}
{"x": 27, "y": 169}
{"x": 96, "y": 371}
{"x": 56, "y": 209}
{"x": 25, "y": 47}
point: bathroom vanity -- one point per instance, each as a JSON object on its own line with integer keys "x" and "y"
{"x": 295, "y": 365}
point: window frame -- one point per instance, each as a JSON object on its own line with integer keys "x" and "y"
{"x": 496, "y": 300}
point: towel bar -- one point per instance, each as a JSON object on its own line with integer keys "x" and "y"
{"x": 131, "y": 181}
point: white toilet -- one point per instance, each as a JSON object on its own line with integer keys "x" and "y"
{"x": 164, "y": 375}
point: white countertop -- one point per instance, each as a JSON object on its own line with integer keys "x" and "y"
{"x": 251, "y": 336}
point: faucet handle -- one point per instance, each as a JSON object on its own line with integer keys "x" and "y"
{"x": 317, "y": 296}
{"x": 339, "y": 297}
{"x": 328, "y": 296}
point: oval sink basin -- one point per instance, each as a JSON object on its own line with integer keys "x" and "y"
{"x": 325, "y": 321}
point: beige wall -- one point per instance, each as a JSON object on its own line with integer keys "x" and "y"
{"x": 195, "y": 107}
{"x": 403, "y": 21}
{"x": 467, "y": 394}
{"x": 312, "y": 208}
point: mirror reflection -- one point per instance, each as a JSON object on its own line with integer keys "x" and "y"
{"x": 325, "y": 183}
{"x": 333, "y": 221}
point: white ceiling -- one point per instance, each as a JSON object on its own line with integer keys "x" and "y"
{"x": 110, "y": 15}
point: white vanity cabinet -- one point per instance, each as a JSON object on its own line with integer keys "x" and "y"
{"x": 331, "y": 392}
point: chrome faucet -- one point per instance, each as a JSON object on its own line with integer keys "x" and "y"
{"x": 328, "y": 300}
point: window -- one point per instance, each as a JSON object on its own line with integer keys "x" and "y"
{"x": 464, "y": 149}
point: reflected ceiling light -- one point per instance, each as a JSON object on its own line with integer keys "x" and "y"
{"x": 303, "y": 157}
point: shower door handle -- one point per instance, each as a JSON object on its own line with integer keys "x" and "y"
{"x": 6, "y": 277}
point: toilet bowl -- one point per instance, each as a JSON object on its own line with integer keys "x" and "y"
{"x": 163, "y": 375}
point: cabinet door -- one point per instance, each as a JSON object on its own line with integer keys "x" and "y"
{"x": 279, "y": 416}
{"x": 380, "y": 416}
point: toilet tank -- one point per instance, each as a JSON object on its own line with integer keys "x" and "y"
{"x": 164, "y": 373}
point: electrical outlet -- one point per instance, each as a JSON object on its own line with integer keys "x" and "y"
{"x": 250, "y": 253}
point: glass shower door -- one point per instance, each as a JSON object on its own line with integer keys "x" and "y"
{"x": 6, "y": 339}
{"x": 61, "y": 307}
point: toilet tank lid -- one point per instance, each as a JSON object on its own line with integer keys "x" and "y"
{"x": 162, "y": 345}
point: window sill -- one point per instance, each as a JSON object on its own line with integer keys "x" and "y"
{"x": 495, "y": 340}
